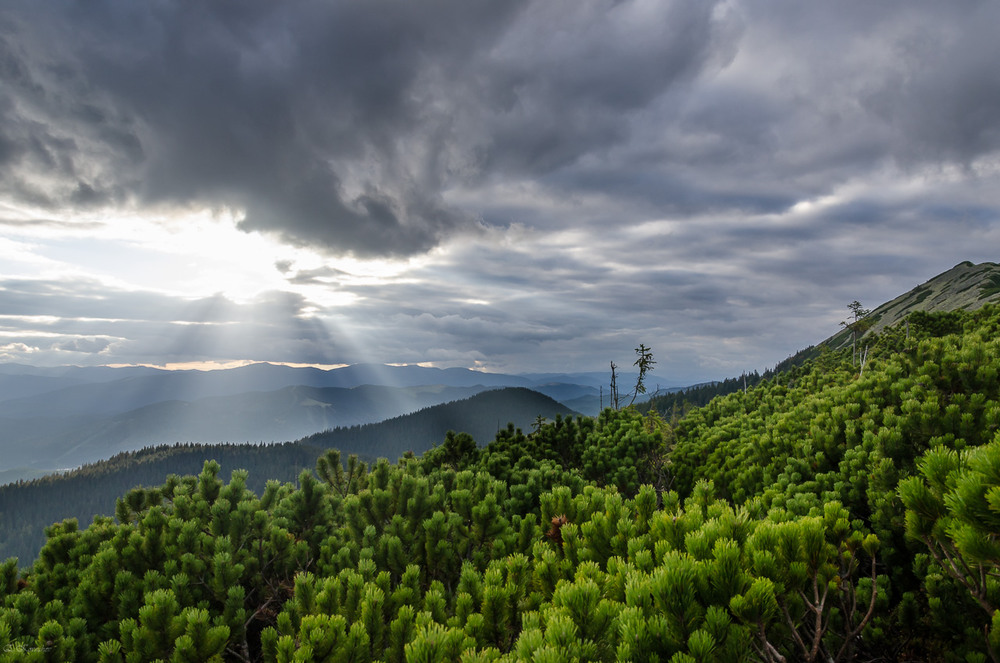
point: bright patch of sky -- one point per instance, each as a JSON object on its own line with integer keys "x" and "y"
{"x": 190, "y": 255}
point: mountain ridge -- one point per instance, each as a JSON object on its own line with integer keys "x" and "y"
{"x": 966, "y": 286}
{"x": 28, "y": 506}
{"x": 71, "y": 437}
{"x": 65, "y": 416}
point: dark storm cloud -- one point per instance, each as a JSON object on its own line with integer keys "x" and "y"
{"x": 309, "y": 116}
{"x": 345, "y": 125}
{"x": 562, "y": 314}
{"x": 941, "y": 96}
{"x": 333, "y": 124}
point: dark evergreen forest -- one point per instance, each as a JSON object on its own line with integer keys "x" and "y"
{"x": 845, "y": 509}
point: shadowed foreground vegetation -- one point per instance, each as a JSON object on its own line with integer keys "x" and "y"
{"x": 831, "y": 512}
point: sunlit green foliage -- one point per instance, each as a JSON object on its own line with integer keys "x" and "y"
{"x": 953, "y": 507}
{"x": 825, "y": 432}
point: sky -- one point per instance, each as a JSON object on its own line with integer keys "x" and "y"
{"x": 510, "y": 186}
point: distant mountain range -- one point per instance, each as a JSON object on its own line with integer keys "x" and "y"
{"x": 62, "y": 417}
{"x": 68, "y": 436}
{"x": 28, "y": 507}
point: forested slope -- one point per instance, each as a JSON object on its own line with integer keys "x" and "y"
{"x": 28, "y": 507}
{"x": 675, "y": 404}
{"x": 481, "y": 416}
{"x": 836, "y": 431}
{"x": 965, "y": 286}
{"x": 835, "y": 512}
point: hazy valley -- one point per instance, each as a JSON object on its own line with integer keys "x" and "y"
{"x": 60, "y": 418}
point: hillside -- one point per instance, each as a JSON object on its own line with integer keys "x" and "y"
{"x": 28, "y": 507}
{"x": 481, "y": 416}
{"x": 965, "y": 286}
{"x": 808, "y": 518}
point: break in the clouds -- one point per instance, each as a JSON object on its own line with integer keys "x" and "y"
{"x": 516, "y": 184}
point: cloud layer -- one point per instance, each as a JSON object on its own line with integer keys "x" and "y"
{"x": 340, "y": 125}
{"x": 565, "y": 178}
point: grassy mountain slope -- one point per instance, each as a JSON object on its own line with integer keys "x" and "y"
{"x": 966, "y": 286}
